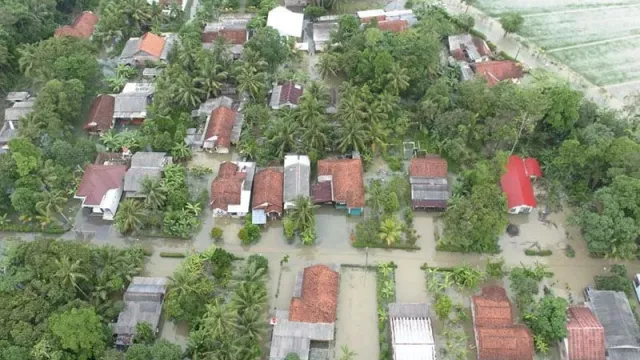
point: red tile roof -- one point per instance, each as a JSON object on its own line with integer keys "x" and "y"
{"x": 97, "y": 179}
{"x": 233, "y": 36}
{"x": 321, "y": 193}
{"x": 517, "y": 185}
{"x": 429, "y": 167}
{"x": 585, "y": 335}
{"x": 152, "y": 44}
{"x": 267, "y": 191}
{"x": 478, "y": 43}
{"x": 348, "y": 185}
{"x": 221, "y": 125}
{"x": 496, "y": 71}
{"x": 290, "y": 93}
{"x": 227, "y": 186}
{"x": 319, "y": 298}
{"x": 82, "y": 27}
{"x": 100, "y": 116}
{"x": 370, "y": 18}
{"x": 497, "y": 338}
{"x": 393, "y": 25}
{"x": 532, "y": 166}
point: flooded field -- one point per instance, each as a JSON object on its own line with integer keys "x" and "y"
{"x": 357, "y": 325}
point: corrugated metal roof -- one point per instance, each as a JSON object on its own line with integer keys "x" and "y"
{"x": 411, "y": 332}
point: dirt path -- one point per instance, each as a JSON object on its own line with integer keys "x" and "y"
{"x": 533, "y": 56}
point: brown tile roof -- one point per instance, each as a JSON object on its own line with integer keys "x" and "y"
{"x": 97, "y": 179}
{"x": 585, "y": 335}
{"x": 290, "y": 93}
{"x": 497, "y": 337}
{"x": 429, "y": 167}
{"x": 233, "y": 36}
{"x": 319, "y": 298}
{"x": 221, "y": 125}
{"x": 504, "y": 343}
{"x": 348, "y": 185}
{"x": 227, "y": 186}
{"x": 82, "y": 27}
{"x": 321, "y": 192}
{"x": 100, "y": 116}
{"x": 110, "y": 157}
{"x": 393, "y": 25}
{"x": 496, "y": 71}
{"x": 152, "y": 44}
{"x": 267, "y": 191}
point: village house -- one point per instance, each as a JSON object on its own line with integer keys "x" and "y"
{"x": 496, "y": 71}
{"x": 101, "y": 188}
{"x": 149, "y": 47}
{"x": 297, "y": 169}
{"x": 286, "y": 22}
{"x": 621, "y": 331}
{"x": 411, "y": 332}
{"x": 222, "y": 129}
{"x": 310, "y": 320}
{"x": 82, "y": 27}
{"x": 496, "y": 335}
{"x": 21, "y": 105}
{"x": 468, "y": 48}
{"x": 100, "y": 117}
{"x": 397, "y": 25}
{"x": 286, "y": 94}
{"x": 130, "y": 106}
{"x": 340, "y": 183}
{"x": 144, "y": 165}
{"x": 429, "y": 183}
{"x": 367, "y": 16}
{"x": 585, "y": 336}
{"x": 142, "y": 303}
{"x": 266, "y": 203}
{"x": 233, "y": 28}
{"x": 404, "y": 14}
{"x": 516, "y": 184}
{"x": 322, "y": 34}
{"x": 231, "y": 189}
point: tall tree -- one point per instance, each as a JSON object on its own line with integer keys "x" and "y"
{"x": 130, "y": 215}
{"x": 154, "y": 193}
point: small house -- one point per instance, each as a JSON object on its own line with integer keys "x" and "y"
{"x": 144, "y": 165}
{"x": 222, "y": 129}
{"x": 18, "y": 110}
{"x": 286, "y": 94}
{"x": 411, "y": 332}
{"x": 130, "y": 106}
{"x": 310, "y": 320}
{"x": 404, "y": 14}
{"x": 142, "y": 303}
{"x": 101, "y": 188}
{"x": 231, "y": 189}
{"x": 149, "y": 47}
{"x": 286, "y": 22}
{"x": 233, "y": 28}
{"x": 397, "y": 25}
{"x": 82, "y": 27}
{"x": 496, "y": 71}
{"x": 340, "y": 183}
{"x": 585, "y": 336}
{"x": 266, "y": 202}
{"x": 516, "y": 184}
{"x": 322, "y": 34}
{"x": 496, "y": 335}
{"x": 100, "y": 117}
{"x": 297, "y": 169}
{"x": 468, "y": 48}
{"x": 429, "y": 183}
{"x": 366, "y": 16}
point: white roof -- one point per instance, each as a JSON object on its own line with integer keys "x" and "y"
{"x": 110, "y": 201}
{"x": 138, "y": 88}
{"x": 371, "y": 13}
{"x": 412, "y": 339}
{"x": 398, "y": 13}
{"x": 287, "y": 22}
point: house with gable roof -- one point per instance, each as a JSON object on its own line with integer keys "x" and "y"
{"x": 428, "y": 177}
{"x": 82, "y": 27}
{"x": 286, "y": 94}
{"x": 266, "y": 202}
{"x": 340, "y": 183}
{"x": 101, "y": 188}
{"x": 231, "y": 189}
{"x": 148, "y": 47}
{"x": 585, "y": 336}
{"x": 516, "y": 184}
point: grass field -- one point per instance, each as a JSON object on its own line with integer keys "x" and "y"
{"x": 598, "y": 38}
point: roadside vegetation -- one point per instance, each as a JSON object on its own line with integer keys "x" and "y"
{"x": 386, "y": 294}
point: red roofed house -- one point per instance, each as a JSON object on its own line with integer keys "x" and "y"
{"x": 231, "y": 189}
{"x": 267, "y": 196}
{"x": 367, "y": 16}
{"x": 82, "y": 27}
{"x": 100, "y": 117}
{"x": 468, "y": 48}
{"x": 585, "y": 336}
{"x": 517, "y": 186}
{"x": 222, "y": 129}
{"x": 429, "y": 183}
{"x": 149, "y": 47}
{"x": 101, "y": 189}
{"x": 318, "y": 300}
{"x": 496, "y": 336}
{"x": 286, "y": 95}
{"x": 532, "y": 167}
{"x": 496, "y": 71}
{"x": 397, "y": 25}
{"x": 234, "y": 34}
{"x": 342, "y": 178}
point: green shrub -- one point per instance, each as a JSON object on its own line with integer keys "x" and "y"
{"x": 249, "y": 234}
{"x": 147, "y": 252}
{"x": 408, "y": 4}
{"x": 314, "y": 12}
{"x": 172, "y": 255}
{"x": 444, "y": 305}
{"x": 394, "y": 162}
{"x": 618, "y": 280}
{"x": 495, "y": 269}
{"x": 533, "y": 252}
{"x": 569, "y": 252}
{"x": 492, "y": 46}
{"x": 216, "y": 233}
{"x": 260, "y": 261}
{"x": 51, "y": 229}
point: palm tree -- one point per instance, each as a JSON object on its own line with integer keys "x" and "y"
{"x": 250, "y": 81}
{"x": 351, "y": 108}
{"x": 375, "y": 196}
{"x": 347, "y": 354}
{"x": 129, "y": 217}
{"x": 211, "y": 77}
{"x": 27, "y": 59}
{"x": 283, "y": 135}
{"x": 68, "y": 273}
{"x": 377, "y": 137}
{"x": 303, "y": 213}
{"x": 351, "y": 135}
{"x": 109, "y": 140}
{"x": 318, "y": 91}
{"x": 309, "y": 108}
{"x": 328, "y": 65}
{"x": 180, "y": 151}
{"x": 251, "y": 325}
{"x": 154, "y": 193}
{"x": 193, "y": 208}
{"x": 219, "y": 320}
{"x": 397, "y": 79}
{"x": 315, "y": 134}
{"x": 52, "y": 202}
{"x": 248, "y": 297}
{"x": 390, "y": 231}
{"x": 188, "y": 93}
